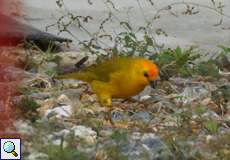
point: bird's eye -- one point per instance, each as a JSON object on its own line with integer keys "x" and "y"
{"x": 146, "y": 74}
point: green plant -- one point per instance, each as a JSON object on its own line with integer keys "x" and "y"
{"x": 212, "y": 126}
{"x": 225, "y": 50}
{"x": 114, "y": 152}
{"x": 37, "y": 61}
{"x": 131, "y": 44}
{"x": 29, "y": 108}
{"x": 58, "y": 153}
{"x": 175, "y": 62}
{"x": 208, "y": 68}
{"x": 28, "y": 104}
{"x": 120, "y": 136}
{"x": 200, "y": 110}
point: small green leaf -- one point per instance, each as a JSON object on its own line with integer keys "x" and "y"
{"x": 225, "y": 49}
{"x": 212, "y": 126}
{"x": 200, "y": 110}
{"x": 148, "y": 40}
{"x": 126, "y": 24}
{"x": 178, "y": 51}
{"x": 119, "y": 135}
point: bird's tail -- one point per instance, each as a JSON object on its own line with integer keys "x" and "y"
{"x": 77, "y": 75}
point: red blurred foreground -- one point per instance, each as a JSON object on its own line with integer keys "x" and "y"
{"x": 8, "y": 78}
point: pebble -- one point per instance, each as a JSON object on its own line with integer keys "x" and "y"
{"x": 59, "y": 112}
{"x": 85, "y": 133}
{"x": 191, "y": 94}
{"x": 23, "y": 127}
{"x": 38, "y": 156}
{"x": 142, "y": 116}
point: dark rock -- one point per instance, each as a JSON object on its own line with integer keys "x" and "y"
{"x": 18, "y": 32}
{"x": 117, "y": 115}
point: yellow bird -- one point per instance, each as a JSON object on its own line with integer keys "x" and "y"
{"x": 119, "y": 77}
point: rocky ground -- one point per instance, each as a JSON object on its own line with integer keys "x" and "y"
{"x": 183, "y": 118}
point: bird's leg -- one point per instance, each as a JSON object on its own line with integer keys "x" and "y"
{"x": 102, "y": 91}
{"x": 106, "y": 101}
{"x": 108, "y": 116}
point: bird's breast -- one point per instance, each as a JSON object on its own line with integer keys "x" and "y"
{"x": 127, "y": 90}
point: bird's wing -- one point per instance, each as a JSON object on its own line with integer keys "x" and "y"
{"x": 84, "y": 76}
{"x": 104, "y": 71}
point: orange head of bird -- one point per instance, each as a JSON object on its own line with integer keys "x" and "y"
{"x": 147, "y": 72}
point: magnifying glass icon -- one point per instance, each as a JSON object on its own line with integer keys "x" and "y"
{"x": 9, "y": 147}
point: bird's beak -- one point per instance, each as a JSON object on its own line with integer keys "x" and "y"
{"x": 153, "y": 83}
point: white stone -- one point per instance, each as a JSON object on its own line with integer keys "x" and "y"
{"x": 143, "y": 98}
{"x": 191, "y": 94}
{"x": 23, "y": 127}
{"x": 38, "y": 156}
{"x": 59, "y": 112}
{"x": 85, "y": 133}
{"x": 63, "y": 99}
